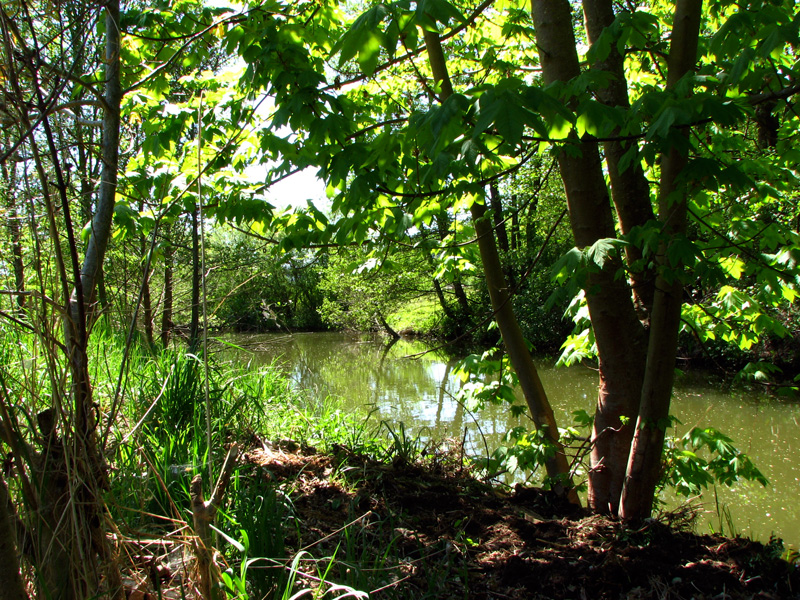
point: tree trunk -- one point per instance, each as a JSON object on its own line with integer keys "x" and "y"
{"x": 107, "y": 189}
{"x": 86, "y": 453}
{"x": 194, "y": 325}
{"x": 518, "y": 353}
{"x": 381, "y": 321}
{"x": 619, "y": 335}
{"x": 629, "y": 190}
{"x": 499, "y": 222}
{"x": 514, "y": 223}
{"x": 147, "y": 307}
{"x": 644, "y": 466}
{"x": 461, "y": 297}
{"x": 498, "y": 217}
{"x": 458, "y": 289}
{"x": 530, "y": 225}
{"x": 166, "y": 315}
{"x": 541, "y": 412}
{"x": 437, "y": 288}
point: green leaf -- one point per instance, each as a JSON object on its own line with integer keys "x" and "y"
{"x": 681, "y": 252}
{"x": 598, "y": 119}
{"x": 740, "y": 66}
{"x": 362, "y": 37}
{"x": 568, "y": 265}
{"x": 603, "y": 250}
{"x": 429, "y": 12}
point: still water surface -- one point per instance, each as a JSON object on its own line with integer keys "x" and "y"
{"x": 420, "y": 392}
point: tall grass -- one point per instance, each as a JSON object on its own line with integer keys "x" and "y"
{"x": 157, "y": 444}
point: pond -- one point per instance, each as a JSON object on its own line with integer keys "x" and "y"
{"x": 361, "y": 373}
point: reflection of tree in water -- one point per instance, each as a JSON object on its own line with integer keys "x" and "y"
{"x": 397, "y": 378}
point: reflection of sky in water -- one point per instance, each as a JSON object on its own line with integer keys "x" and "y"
{"x": 362, "y": 374}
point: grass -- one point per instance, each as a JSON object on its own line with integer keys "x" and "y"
{"x": 156, "y": 443}
{"x": 419, "y": 315}
{"x": 159, "y": 446}
{"x": 349, "y": 519}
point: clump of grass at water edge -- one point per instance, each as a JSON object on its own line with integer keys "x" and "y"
{"x": 159, "y": 444}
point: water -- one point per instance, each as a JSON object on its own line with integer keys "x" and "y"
{"x": 420, "y": 392}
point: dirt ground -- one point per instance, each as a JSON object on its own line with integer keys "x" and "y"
{"x": 450, "y": 535}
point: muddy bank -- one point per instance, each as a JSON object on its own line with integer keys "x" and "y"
{"x": 434, "y": 531}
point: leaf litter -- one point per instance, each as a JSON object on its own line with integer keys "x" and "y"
{"x": 432, "y": 529}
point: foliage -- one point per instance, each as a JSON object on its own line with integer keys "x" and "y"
{"x": 704, "y": 457}
{"x": 257, "y": 289}
{"x": 215, "y": 103}
{"x": 363, "y": 288}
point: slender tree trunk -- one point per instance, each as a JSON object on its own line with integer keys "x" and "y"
{"x": 461, "y": 297}
{"x": 381, "y": 321}
{"x": 514, "y": 223}
{"x": 458, "y": 288}
{"x": 147, "y": 307}
{"x": 102, "y": 294}
{"x": 107, "y": 189}
{"x": 619, "y": 335}
{"x": 437, "y": 288}
{"x": 16, "y": 252}
{"x": 194, "y": 325}
{"x": 87, "y": 462}
{"x": 499, "y": 222}
{"x": 516, "y": 347}
{"x": 499, "y": 218}
{"x": 644, "y": 466}
{"x": 530, "y": 225}
{"x": 629, "y": 189}
{"x": 166, "y": 315}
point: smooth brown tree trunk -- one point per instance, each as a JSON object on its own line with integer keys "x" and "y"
{"x": 147, "y": 305}
{"x": 541, "y": 412}
{"x": 619, "y": 335}
{"x": 629, "y": 189}
{"x": 194, "y": 325}
{"x": 644, "y": 466}
{"x": 520, "y": 357}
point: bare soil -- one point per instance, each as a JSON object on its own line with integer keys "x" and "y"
{"x": 450, "y": 535}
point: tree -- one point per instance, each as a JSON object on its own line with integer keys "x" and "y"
{"x": 65, "y": 69}
{"x": 662, "y": 114}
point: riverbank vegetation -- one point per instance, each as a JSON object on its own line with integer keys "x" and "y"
{"x": 324, "y": 501}
{"x": 500, "y": 163}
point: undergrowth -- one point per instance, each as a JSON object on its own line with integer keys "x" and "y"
{"x": 268, "y": 546}
{"x": 159, "y": 445}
